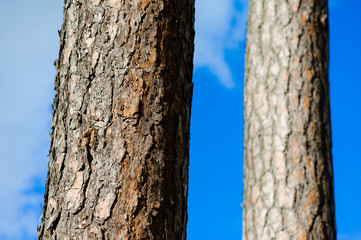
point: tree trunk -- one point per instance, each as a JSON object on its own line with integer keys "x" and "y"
{"x": 119, "y": 152}
{"x": 288, "y": 176}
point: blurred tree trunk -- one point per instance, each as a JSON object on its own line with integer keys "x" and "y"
{"x": 288, "y": 175}
{"x": 119, "y": 152}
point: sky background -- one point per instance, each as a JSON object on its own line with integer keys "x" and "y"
{"x": 29, "y": 45}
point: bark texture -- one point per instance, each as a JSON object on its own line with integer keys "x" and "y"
{"x": 288, "y": 175}
{"x": 119, "y": 152}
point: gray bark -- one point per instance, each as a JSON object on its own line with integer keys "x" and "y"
{"x": 288, "y": 175}
{"x": 119, "y": 155}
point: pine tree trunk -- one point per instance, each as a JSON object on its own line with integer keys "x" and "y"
{"x": 288, "y": 175}
{"x": 119, "y": 152}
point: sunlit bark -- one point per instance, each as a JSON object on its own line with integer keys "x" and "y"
{"x": 288, "y": 176}
{"x": 119, "y": 153}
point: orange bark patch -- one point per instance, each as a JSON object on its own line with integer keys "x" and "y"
{"x": 308, "y": 90}
{"x": 152, "y": 57}
{"x": 313, "y": 126}
{"x": 308, "y": 162}
{"x": 295, "y": 39}
{"x": 312, "y": 197}
{"x": 277, "y": 37}
{"x": 66, "y": 55}
{"x": 300, "y": 124}
{"x": 306, "y": 104}
{"x": 295, "y": 100}
{"x": 107, "y": 134}
{"x": 284, "y": 75}
{"x": 302, "y": 234}
{"x": 284, "y": 236}
{"x": 304, "y": 17}
{"x": 312, "y": 31}
{"x": 144, "y": 3}
{"x": 309, "y": 73}
{"x": 299, "y": 172}
{"x": 280, "y": 163}
{"x": 309, "y": 219}
{"x": 88, "y": 138}
{"x": 296, "y": 61}
{"x": 295, "y": 151}
{"x": 282, "y": 126}
{"x": 305, "y": 207}
{"x": 321, "y": 229}
{"x": 293, "y": 220}
{"x": 297, "y": 74}
{"x": 282, "y": 196}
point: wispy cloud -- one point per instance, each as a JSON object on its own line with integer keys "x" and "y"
{"x": 220, "y": 25}
{"x": 28, "y": 46}
{"x": 25, "y": 97}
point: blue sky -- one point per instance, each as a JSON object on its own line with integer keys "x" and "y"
{"x": 29, "y": 44}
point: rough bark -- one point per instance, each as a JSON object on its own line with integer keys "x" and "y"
{"x": 288, "y": 175}
{"x": 119, "y": 155}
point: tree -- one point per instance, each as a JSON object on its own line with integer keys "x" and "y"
{"x": 119, "y": 154}
{"x": 288, "y": 175}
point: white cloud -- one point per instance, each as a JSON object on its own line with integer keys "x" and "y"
{"x": 28, "y": 46}
{"x": 219, "y": 26}
{"x": 23, "y": 149}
